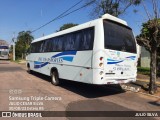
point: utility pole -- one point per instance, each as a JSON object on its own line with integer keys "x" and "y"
{"x": 14, "y": 57}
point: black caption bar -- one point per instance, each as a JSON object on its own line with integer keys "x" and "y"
{"x": 79, "y": 113}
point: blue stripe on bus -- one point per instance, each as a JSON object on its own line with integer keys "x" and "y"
{"x": 44, "y": 64}
{"x": 38, "y": 64}
{"x": 67, "y": 58}
{"x": 114, "y": 62}
{"x": 132, "y": 57}
{"x": 65, "y": 53}
{"x": 111, "y": 60}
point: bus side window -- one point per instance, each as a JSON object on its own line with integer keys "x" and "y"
{"x": 87, "y": 39}
{"x": 49, "y": 45}
{"x": 72, "y": 42}
{"x": 42, "y": 46}
{"x": 60, "y": 43}
{"x": 54, "y": 44}
{"x": 78, "y": 37}
{"x": 67, "y": 42}
{"x": 46, "y": 47}
{"x": 34, "y": 48}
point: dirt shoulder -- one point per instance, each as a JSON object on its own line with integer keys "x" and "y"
{"x": 146, "y": 77}
{"x": 143, "y": 83}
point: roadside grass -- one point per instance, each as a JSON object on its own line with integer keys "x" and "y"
{"x": 143, "y": 70}
{"x": 17, "y": 61}
{"x": 146, "y": 71}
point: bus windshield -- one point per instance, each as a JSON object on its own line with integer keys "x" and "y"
{"x": 118, "y": 37}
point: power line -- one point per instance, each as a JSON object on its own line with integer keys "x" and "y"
{"x": 77, "y": 9}
{"x": 58, "y": 16}
{"x": 63, "y": 14}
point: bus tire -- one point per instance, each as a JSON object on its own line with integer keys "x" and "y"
{"x": 55, "y": 78}
{"x": 29, "y": 69}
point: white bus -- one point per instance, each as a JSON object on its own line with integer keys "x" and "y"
{"x": 102, "y": 51}
{"x": 4, "y": 52}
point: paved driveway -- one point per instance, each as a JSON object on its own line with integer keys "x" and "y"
{"x": 70, "y": 96}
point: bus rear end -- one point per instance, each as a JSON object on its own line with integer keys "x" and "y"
{"x": 117, "y": 61}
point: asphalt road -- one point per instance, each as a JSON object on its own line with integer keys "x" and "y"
{"x": 69, "y": 96}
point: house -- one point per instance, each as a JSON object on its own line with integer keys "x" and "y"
{"x": 3, "y": 42}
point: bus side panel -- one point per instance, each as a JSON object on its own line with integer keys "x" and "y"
{"x": 75, "y": 73}
{"x": 71, "y": 65}
{"x": 79, "y": 69}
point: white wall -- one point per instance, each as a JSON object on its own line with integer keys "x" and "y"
{"x": 145, "y": 58}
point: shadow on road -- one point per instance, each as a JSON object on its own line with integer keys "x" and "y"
{"x": 156, "y": 103}
{"x": 91, "y": 91}
{"x": 94, "y": 108}
{"x": 86, "y": 90}
{"x": 41, "y": 76}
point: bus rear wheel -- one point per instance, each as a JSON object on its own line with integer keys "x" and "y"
{"x": 55, "y": 78}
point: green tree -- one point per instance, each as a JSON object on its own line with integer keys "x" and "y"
{"x": 113, "y": 7}
{"x": 24, "y": 40}
{"x": 66, "y": 26}
{"x": 150, "y": 39}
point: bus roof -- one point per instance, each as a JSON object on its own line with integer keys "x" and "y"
{"x": 82, "y": 26}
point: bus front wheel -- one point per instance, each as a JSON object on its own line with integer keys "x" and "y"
{"x": 29, "y": 69}
{"x": 55, "y": 78}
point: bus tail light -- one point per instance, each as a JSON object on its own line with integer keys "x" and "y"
{"x": 100, "y": 64}
{"x": 101, "y": 73}
{"x": 101, "y": 58}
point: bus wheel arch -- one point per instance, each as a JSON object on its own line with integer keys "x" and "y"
{"x": 54, "y": 76}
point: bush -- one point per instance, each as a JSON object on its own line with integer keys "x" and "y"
{"x": 144, "y": 70}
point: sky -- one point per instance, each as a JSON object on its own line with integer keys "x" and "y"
{"x": 23, "y": 15}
